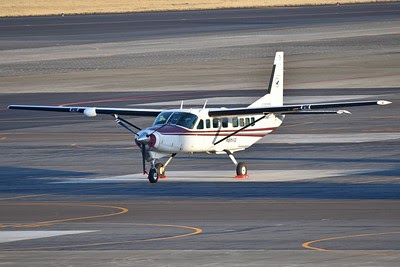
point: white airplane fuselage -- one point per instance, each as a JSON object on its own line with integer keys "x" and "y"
{"x": 193, "y": 131}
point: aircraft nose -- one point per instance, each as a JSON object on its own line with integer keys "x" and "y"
{"x": 143, "y": 138}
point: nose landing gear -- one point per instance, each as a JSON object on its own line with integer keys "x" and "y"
{"x": 157, "y": 171}
{"x": 153, "y": 175}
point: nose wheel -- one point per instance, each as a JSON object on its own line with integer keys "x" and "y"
{"x": 157, "y": 171}
{"x": 153, "y": 176}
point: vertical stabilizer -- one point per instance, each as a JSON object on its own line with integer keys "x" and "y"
{"x": 274, "y": 95}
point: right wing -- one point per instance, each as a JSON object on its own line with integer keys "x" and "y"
{"x": 294, "y": 109}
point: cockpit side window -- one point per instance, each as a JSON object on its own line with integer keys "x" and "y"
{"x": 187, "y": 120}
{"x": 162, "y": 118}
{"x": 200, "y": 125}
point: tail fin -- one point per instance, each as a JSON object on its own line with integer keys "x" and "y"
{"x": 274, "y": 96}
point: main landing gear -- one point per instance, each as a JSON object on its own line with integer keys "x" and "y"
{"x": 241, "y": 167}
{"x": 157, "y": 171}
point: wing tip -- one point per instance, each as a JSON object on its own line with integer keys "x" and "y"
{"x": 383, "y": 102}
{"x": 343, "y": 111}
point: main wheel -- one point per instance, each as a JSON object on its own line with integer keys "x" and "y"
{"x": 241, "y": 169}
{"x": 161, "y": 170}
{"x": 153, "y": 176}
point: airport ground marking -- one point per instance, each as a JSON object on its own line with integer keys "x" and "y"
{"x": 308, "y": 245}
{"x": 378, "y": 181}
{"x": 24, "y": 196}
{"x": 195, "y": 231}
{"x": 122, "y": 210}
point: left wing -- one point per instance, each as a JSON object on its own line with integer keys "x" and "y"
{"x": 92, "y": 111}
{"x": 295, "y": 109}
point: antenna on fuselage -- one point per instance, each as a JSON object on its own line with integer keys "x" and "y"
{"x": 205, "y": 104}
{"x": 182, "y": 104}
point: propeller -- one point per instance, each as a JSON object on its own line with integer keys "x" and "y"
{"x": 141, "y": 139}
{"x": 156, "y": 130}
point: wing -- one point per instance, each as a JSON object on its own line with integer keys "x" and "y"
{"x": 295, "y": 109}
{"x": 92, "y": 111}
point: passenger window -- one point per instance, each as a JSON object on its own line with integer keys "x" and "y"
{"x": 215, "y": 123}
{"x": 208, "y": 124}
{"x": 241, "y": 122}
{"x": 247, "y": 121}
{"x": 225, "y": 122}
{"x": 200, "y": 125}
{"x": 235, "y": 122}
{"x": 252, "y": 121}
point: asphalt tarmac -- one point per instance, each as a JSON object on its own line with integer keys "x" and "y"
{"x": 323, "y": 190}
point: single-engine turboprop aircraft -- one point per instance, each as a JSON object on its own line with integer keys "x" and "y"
{"x": 219, "y": 131}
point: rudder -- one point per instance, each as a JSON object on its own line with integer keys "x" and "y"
{"x": 274, "y": 95}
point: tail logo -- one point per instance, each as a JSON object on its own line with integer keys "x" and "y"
{"x": 277, "y": 82}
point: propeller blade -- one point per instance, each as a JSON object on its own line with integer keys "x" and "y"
{"x": 159, "y": 128}
{"x": 144, "y": 158}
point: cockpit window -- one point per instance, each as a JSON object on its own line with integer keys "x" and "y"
{"x": 183, "y": 119}
{"x": 187, "y": 120}
{"x": 175, "y": 118}
{"x": 162, "y": 118}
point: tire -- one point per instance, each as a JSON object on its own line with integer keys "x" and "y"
{"x": 241, "y": 169}
{"x": 160, "y": 170}
{"x": 153, "y": 176}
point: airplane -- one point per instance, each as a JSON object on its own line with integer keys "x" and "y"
{"x": 208, "y": 130}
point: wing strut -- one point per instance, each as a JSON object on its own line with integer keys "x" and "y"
{"x": 122, "y": 122}
{"x": 241, "y": 129}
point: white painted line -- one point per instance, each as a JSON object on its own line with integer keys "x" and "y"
{"x": 11, "y": 236}
{"x": 220, "y": 176}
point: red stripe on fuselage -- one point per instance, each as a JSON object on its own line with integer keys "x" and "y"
{"x": 177, "y": 130}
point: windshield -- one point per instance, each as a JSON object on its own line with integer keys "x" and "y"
{"x": 162, "y": 117}
{"x": 183, "y": 119}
